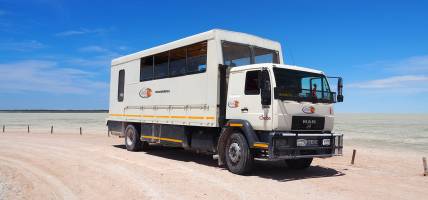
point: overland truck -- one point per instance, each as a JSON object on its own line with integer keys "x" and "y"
{"x": 227, "y": 94}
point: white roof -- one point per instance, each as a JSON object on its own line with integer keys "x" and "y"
{"x": 292, "y": 67}
{"x": 212, "y": 34}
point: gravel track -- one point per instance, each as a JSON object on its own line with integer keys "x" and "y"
{"x": 66, "y": 166}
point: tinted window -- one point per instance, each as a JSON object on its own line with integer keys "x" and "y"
{"x": 146, "y": 68}
{"x": 185, "y": 60}
{"x": 121, "y": 86}
{"x": 262, "y": 55}
{"x": 252, "y": 83}
{"x": 161, "y": 65}
{"x": 177, "y": 62}
{"x": 197, "y": 57}
{"x": 236, "y": 54}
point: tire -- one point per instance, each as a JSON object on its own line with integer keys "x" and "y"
{"x": 301, "y": 163}
{"x": 132, "y": 138}
{"x": 239, "y": 158}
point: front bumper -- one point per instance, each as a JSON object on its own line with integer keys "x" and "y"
{"x": 286, "y": 146}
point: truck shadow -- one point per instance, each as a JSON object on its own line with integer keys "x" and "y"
{"x": 275, "y": 170}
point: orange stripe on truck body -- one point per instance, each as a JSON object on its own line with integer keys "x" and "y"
{"x": 163, "y": 116}
{"x": 161, "y": 138}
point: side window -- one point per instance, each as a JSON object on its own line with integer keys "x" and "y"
{"x": 252, "y": 83}
{"x": 177, "y": 62}
{"x": 236, "y": 54}
{"x": 161, "y": 65}
{"x": 146, "y": 68}
{"x": 121, "y": 86}
{"x": 262, "y": 55}
{"x": 197, "y": 57}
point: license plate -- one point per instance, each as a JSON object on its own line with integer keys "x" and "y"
{"x": 312, "y": 142}
{"x": 305, "y": 142}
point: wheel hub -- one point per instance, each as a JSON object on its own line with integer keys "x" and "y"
{"x": 234, "y": 152}
{"x": 129, "y": 138}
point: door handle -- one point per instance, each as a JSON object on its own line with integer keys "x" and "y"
{"x": 244, "y": 109}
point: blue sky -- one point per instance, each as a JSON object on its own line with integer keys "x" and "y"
{"x": 56, "y": 54}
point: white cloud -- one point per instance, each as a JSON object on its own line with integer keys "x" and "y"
{"x": 414, "y": 83}
{"x": 414, "y": 64}
{"x": 408, "y": 75}
{"x": 97, "y": 61}
{"x": 81, "y": 31}
{"x": 123, "y": 48}
{"x": 47, "y": 76}
{"x": 103, "y": 56}
{"x": 27, "y": 45}
{"x": 94, "y": 48}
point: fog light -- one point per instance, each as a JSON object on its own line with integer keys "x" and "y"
{"x": 326, "y": 142}
{"x": 281, "y": 142}
{"x": 301, "y": 142}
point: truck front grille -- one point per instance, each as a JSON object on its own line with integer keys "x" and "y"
{"x": 307, "y": 123}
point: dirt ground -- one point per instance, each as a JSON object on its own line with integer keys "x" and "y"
{"x": 44, "y": 166}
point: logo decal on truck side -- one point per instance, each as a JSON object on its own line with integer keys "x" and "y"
{"x": 162, "y": 91}
{"x": 308, "y": 109}
{"x": 262, "y": 117}
{"x": 145, "y": 93}
{"x": 233, "y": 104}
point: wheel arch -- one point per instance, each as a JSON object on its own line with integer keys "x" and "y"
{"x": 230, "y": 127}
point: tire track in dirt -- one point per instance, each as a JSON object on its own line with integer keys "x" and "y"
{"x": 59, "y": 188}
{"x": 98, "y": 159}
{"x": 83, "y": 165}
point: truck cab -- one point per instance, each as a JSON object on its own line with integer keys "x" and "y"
{"x": 287, "y": 109}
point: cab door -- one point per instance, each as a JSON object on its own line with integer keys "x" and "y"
{"x": 244, "y": 100}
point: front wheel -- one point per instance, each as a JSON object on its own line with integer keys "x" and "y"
{"x": 301, "y": 163}
{"x": 239, "y": 158}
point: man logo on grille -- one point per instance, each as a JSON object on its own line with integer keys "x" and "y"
{"x": 308, "y": 109}
{"x": 309, "y": 122}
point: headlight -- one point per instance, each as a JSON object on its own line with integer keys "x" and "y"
{"x": 326, "y": 142}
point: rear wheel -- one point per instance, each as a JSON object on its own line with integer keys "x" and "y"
{"x": 301, "y": 163}
{"x": 132, "y": 138}
{"x": 239, "y": 158}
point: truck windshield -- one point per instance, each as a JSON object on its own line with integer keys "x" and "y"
{"x": 302, "y": 86}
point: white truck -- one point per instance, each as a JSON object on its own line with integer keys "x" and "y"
{"x": 228, "y": 94}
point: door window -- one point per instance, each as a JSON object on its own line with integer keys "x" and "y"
{"x": 252, "y": 83}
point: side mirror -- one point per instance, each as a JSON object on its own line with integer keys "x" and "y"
{"x": 265, "y": 90}
{"x": 339, "y": 90}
